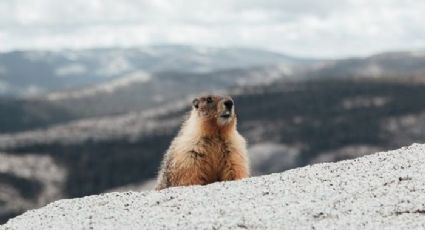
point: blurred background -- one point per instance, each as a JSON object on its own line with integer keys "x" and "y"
{"x": 92, "y": 92}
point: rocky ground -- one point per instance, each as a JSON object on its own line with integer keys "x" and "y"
{"x": 380, "y": 191}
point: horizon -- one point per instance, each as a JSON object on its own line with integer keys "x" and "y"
{"x": 66, "y": 49}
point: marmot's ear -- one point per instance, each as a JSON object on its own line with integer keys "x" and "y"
{"x": 195, "y": 103}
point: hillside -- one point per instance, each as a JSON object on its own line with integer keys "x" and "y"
{"x": 130, "y": 93}
{"x": 28, "y": 73}
{"x": 384, "y": 190}
{"x": 118, "y": 81}
{"x": 141, "y": 91}
{"x": 19, "y": 114}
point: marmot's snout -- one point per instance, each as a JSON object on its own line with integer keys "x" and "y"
{"x": 228, "y": 108}
{"x": 228, "y": 104}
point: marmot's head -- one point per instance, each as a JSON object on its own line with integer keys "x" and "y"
{"x": 217, "y": 108}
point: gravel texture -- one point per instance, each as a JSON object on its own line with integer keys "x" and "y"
{"x": 380, "y": 191}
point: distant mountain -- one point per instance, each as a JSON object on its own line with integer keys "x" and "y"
{"x": 148, "y": 85}
{"x": 37, "y": 72}
{"x": 29, "y": 73}
{"x": 140, "y": 91}
{"x": 391, "y": 64}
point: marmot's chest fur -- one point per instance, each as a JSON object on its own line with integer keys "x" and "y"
{"x": 208, "y": 147}
{"x": 211, "y": 154}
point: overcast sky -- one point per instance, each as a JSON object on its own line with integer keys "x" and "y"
{"x": 326, "y": 28}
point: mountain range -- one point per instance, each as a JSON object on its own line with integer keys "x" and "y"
{"x": 29, "y": 73}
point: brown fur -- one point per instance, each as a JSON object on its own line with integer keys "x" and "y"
{"x": 207, "y": 149}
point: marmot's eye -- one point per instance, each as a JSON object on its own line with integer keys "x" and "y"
{"x": 209, "y": 100}
{"x": 195, "y": 103}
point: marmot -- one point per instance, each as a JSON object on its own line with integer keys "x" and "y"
{"x": 208, "y": 147}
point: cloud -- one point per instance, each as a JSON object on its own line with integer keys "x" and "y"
{"x": 328, "y": 28}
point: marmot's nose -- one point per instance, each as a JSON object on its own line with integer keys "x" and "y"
{"x": 228, "y": 104}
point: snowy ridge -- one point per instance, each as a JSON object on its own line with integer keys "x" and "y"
{"x": 108, "y": 87}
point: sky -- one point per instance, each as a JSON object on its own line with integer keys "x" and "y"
{"x": 308, "y": 28}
